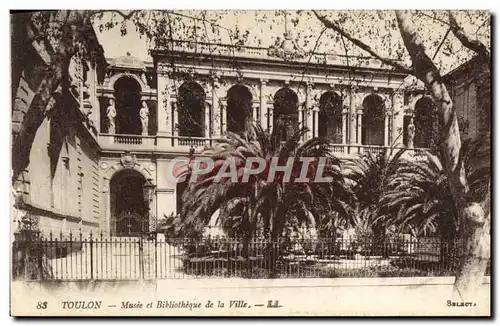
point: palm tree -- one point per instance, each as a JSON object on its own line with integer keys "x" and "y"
{"x": 418, "y": 199}
{"x": 419, "y": 196}
{"x": 270, "y": 205}
{"x": 370, "y": 175}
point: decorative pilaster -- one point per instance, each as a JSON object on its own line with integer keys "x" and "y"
{"x": 388, "y": 104}
{"x": 164, "y": 109}
{"x": 105, "y": 221}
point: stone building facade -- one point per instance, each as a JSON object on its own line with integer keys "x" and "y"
{"x": 470, "y": 88}
{"x": 194, "y": 96}
{"x": 109, "y": 175}
{"x": 58, "y": 184}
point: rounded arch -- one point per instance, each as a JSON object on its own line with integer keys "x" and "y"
{"x": 191, "y": 99}
{"x": 113, "y": 79}
{"x": 239, "y": 108}
{"x": 373, "y": 126}
{"x": 330, "y": 124}
{"x": 424, "y": 121}
{"x": 116, "y": 168}
{"x": 249, "y": 86}
{"x": 286, "y": 101}
{"x": 286, "y": 104}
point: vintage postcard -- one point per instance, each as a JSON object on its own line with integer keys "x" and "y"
{"x": 250, "y": 163}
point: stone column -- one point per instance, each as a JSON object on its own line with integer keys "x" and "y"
{"x": 345, "y": 115}
{"x": 300, "y": 118}
{"x": 263, "y": 104}
{"x": 386, "y": 129}
{"x": 216, "y": 112}
{"x": 208, "y": 118}
{"x": 175, "y": 122}
{"x": 256, "y": 113}
{"x": 223, "y": 108}
{"x": 315, "y": 112}
{"x": 270, "y": 118}
{"x": 308, "y": 116}
{"x": 353, "y": 104}
{"x": 359, "y": 126}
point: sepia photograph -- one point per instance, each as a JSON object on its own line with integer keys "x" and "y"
{"x": 250, "y": 163}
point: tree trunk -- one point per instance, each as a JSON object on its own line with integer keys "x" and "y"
{"x": 475, "y": 254}
{"x": 72, "y": 22}
{"x": 473, "y": 216}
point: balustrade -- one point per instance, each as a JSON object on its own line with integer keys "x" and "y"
{"x": 185, "y": 144}
{"x": 130, "y": 140}
{"x": 192, "y": 142}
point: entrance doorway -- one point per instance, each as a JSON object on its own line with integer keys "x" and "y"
{"x": 129, "y": 206}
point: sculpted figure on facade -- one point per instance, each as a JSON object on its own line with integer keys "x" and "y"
{"x": 411, "y": 133}
{"x": 111, "y": 114}
{"x": 144, "y": 114}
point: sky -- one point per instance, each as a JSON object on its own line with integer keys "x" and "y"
{"x": 264, "y": 27}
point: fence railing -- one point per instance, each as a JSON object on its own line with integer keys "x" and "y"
{"x": 153, "y": 257}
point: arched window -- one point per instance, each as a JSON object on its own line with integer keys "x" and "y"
{"x": 372, "y": 130}
{"x": 286, "y": 111}
{"x": 239, "y": 109}
{"x": 128, "y": 104}
{"x": 191, "y": 110}
{"x": 424, "y": 122}
{"x": 330, "y": 117}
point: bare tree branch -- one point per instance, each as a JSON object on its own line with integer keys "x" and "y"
{"x": 441, "y": 44}
{"x": 388, "y": 61}
{"x": 433, "y": 18}
{"x": 467, "y": 40}
{"x": 119, "y": 12}
{"x": 316, "y": 44}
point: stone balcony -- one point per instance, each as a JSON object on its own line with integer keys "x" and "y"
{"x": 161, "y": 143}
{"x": 183, "y": 145}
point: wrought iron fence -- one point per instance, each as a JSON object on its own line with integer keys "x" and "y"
{"x": 36, "y": 257}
